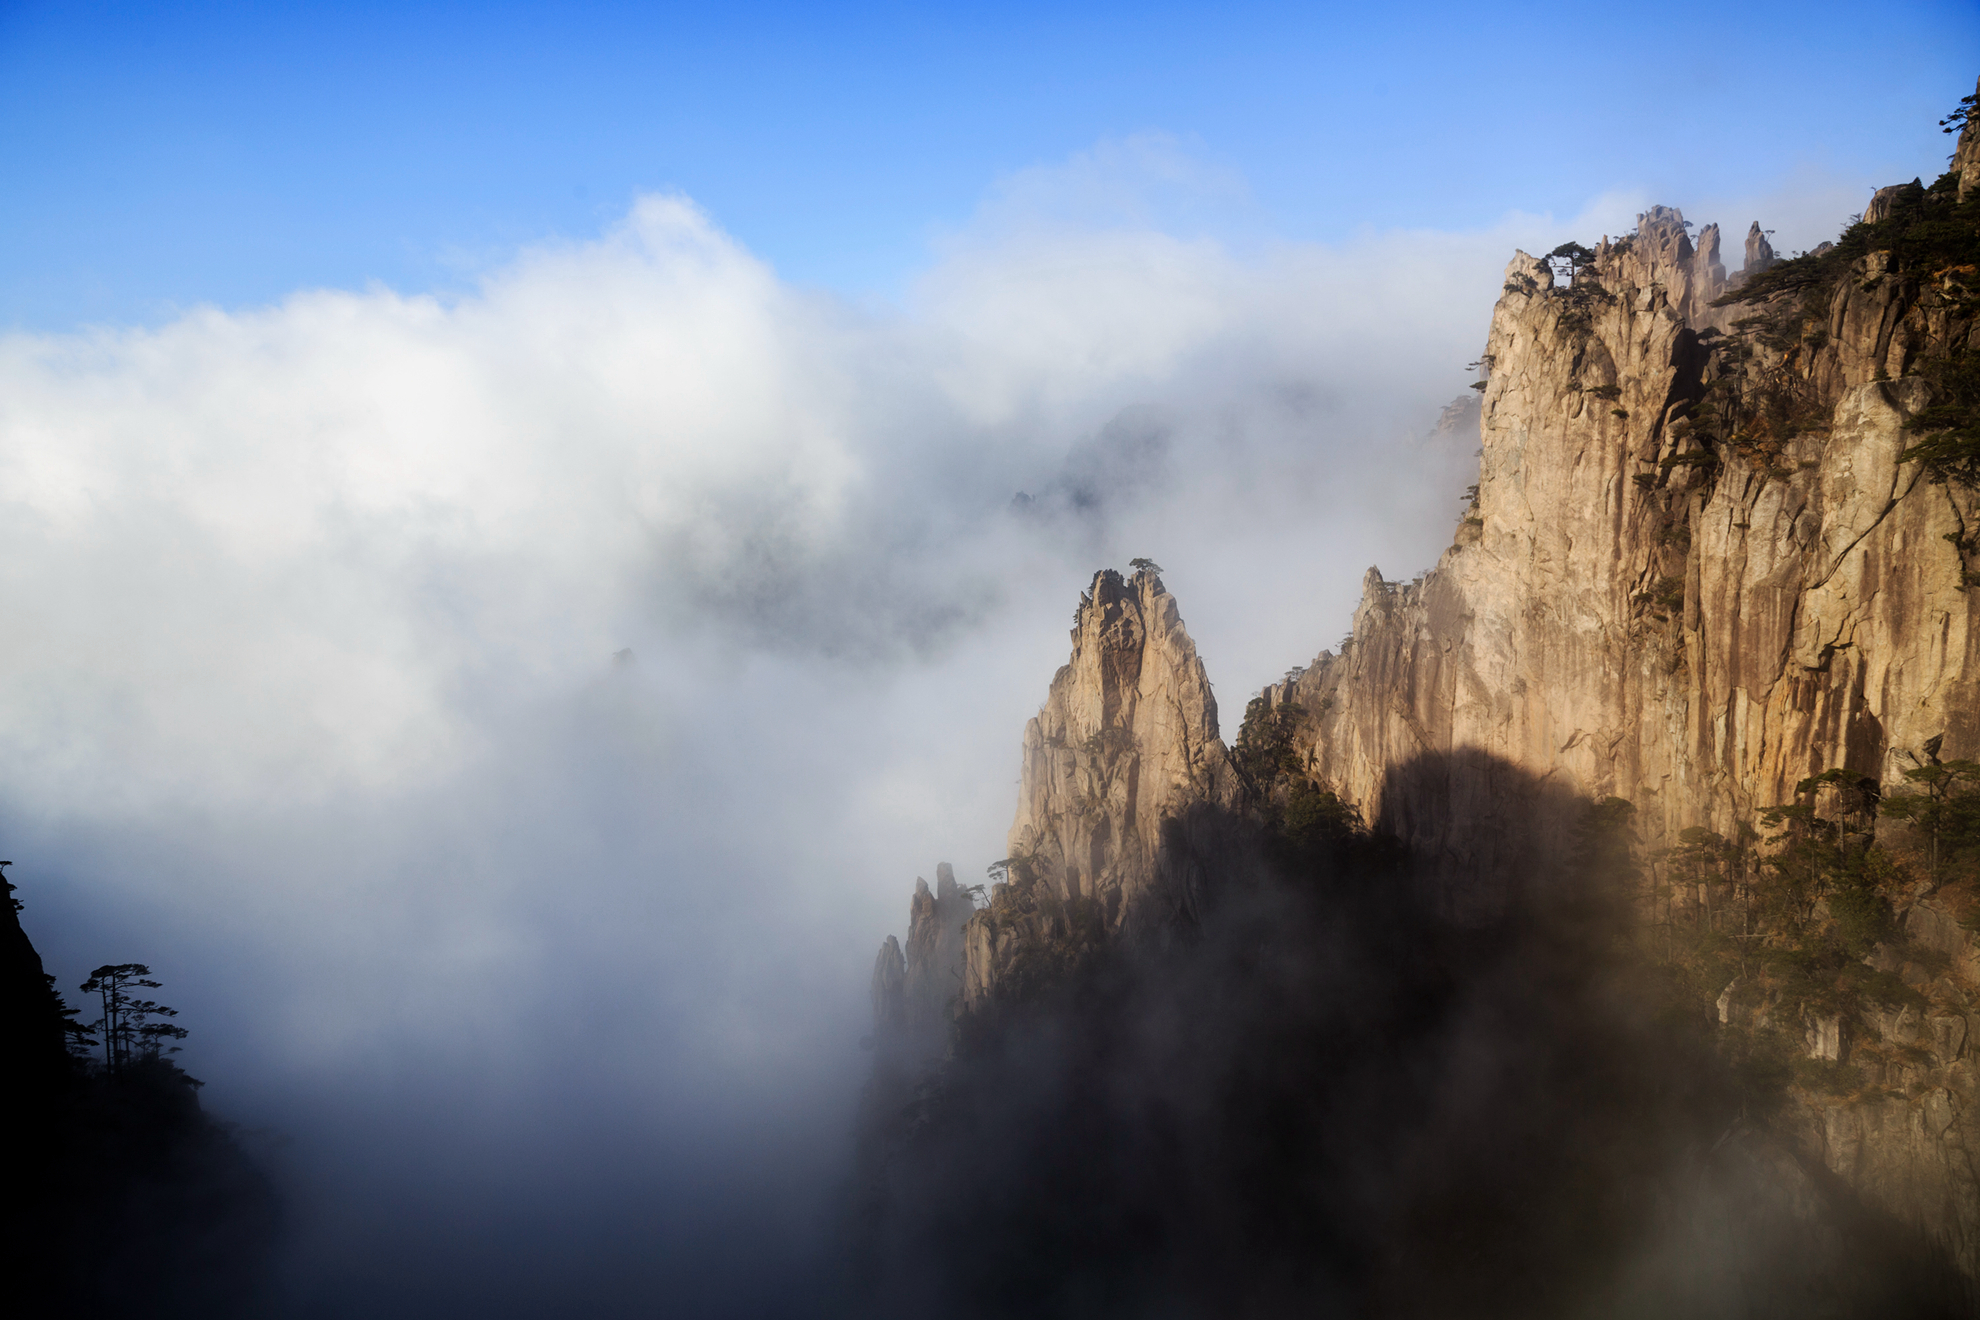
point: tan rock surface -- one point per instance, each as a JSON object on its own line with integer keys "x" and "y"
{"x": 1127, "y": 737}
{"x": 1627, "y": 620}
{"x": 933, "y": 973}
{"x": 1966, "y": 156}
{"x": 1626, "y": 613}
{"x": 1128, "y": 733}
{"x": 1811, "y": 613}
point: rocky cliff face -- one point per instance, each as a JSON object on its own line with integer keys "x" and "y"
{"x": 1630, "y": 613}
{"x": 1127, "y": 738}
{"x": 1699, "y": 570}
{"x": 1128, "y": 732}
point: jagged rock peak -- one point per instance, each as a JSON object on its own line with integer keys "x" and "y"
{"x": 1759, "y": 252}
{"x": 914, "y": 991}
{"x": 1673, "y": 665}
{"x": 1694, "y": 605}
{"x": 1128, "y": 733}
{"x": 1663, "y": 253}
{"x": 933, "y": 973}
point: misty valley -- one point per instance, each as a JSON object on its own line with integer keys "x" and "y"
{"x": 1593, "y": 932}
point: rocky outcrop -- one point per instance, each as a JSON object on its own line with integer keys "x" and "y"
{"x": 1884, "y": 199}
{"x": 915, "y": 993}
{"x": 1128, "y": 733}
{"x": 1633, "y": 617}
{"x": 933, "y": 972}
{"x": 1966, "y": 156}
{"x": 1127, "y": 739}
{"x": 1759, "y": 252}
{"x": 1698, "y": 570}
{"x": 889, "y": 990}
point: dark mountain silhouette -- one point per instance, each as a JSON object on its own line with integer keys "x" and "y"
{"x": 124, "y": 1197}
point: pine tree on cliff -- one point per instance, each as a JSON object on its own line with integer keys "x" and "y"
{"x": 126, "y": 1026}
{"x": 123, "y": 1197}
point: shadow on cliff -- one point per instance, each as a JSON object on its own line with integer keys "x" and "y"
{"x": 1323, "y": 1089}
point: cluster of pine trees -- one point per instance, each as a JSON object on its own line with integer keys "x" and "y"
{"x": 124, "y": 1197}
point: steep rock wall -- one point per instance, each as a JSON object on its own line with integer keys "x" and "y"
{"x": 1696, "y": 623}
{"x": 1634, "y": 607}
{"x": 1127, "y": 738}
{"x": 1619, "y": 618}
{"x": 1127, "y": 733}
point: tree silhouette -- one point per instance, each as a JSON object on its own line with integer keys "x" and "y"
{"x": 1144, "y": 566}
{"x": 1967, "y": 110}
{"x": 1568, "y": 259}
{"x": 128, "y": 1032}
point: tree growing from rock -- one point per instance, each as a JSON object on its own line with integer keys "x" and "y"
{"x": 128, "y": 1031}
{"x": 1568, "y": 259}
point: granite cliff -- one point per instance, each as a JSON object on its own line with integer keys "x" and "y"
{"x": 1700, "y": 571}
{"x": 1712, "y": 595}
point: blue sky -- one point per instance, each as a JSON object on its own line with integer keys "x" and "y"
{"x": 158, "y": 156}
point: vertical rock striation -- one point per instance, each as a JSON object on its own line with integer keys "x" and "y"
{"x": 1630, "y": 615}
{"x": 1699, "y": 571}
{"x": 1126, "y": 740}
{"x": 933, "y": 973}
{"x": 915, "y": 993}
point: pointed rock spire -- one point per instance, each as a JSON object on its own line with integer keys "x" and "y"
{"x": 1128, "y": 734}
{"x": 1759, "y": 252}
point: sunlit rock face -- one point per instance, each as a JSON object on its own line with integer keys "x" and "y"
{"x": 1127, "y": 738}
{"x": 1621, "y": 617}
{"x": 1629, "y": 611}
{"x": 1630, "y": 614}
{"x": 1127, "y": 734}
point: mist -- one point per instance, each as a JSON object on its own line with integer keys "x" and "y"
{"x": 1315, "y": 1093}
{"x": 508, "y": 723}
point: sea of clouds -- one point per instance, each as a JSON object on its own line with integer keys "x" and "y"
{"x": 509, "y": 722}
